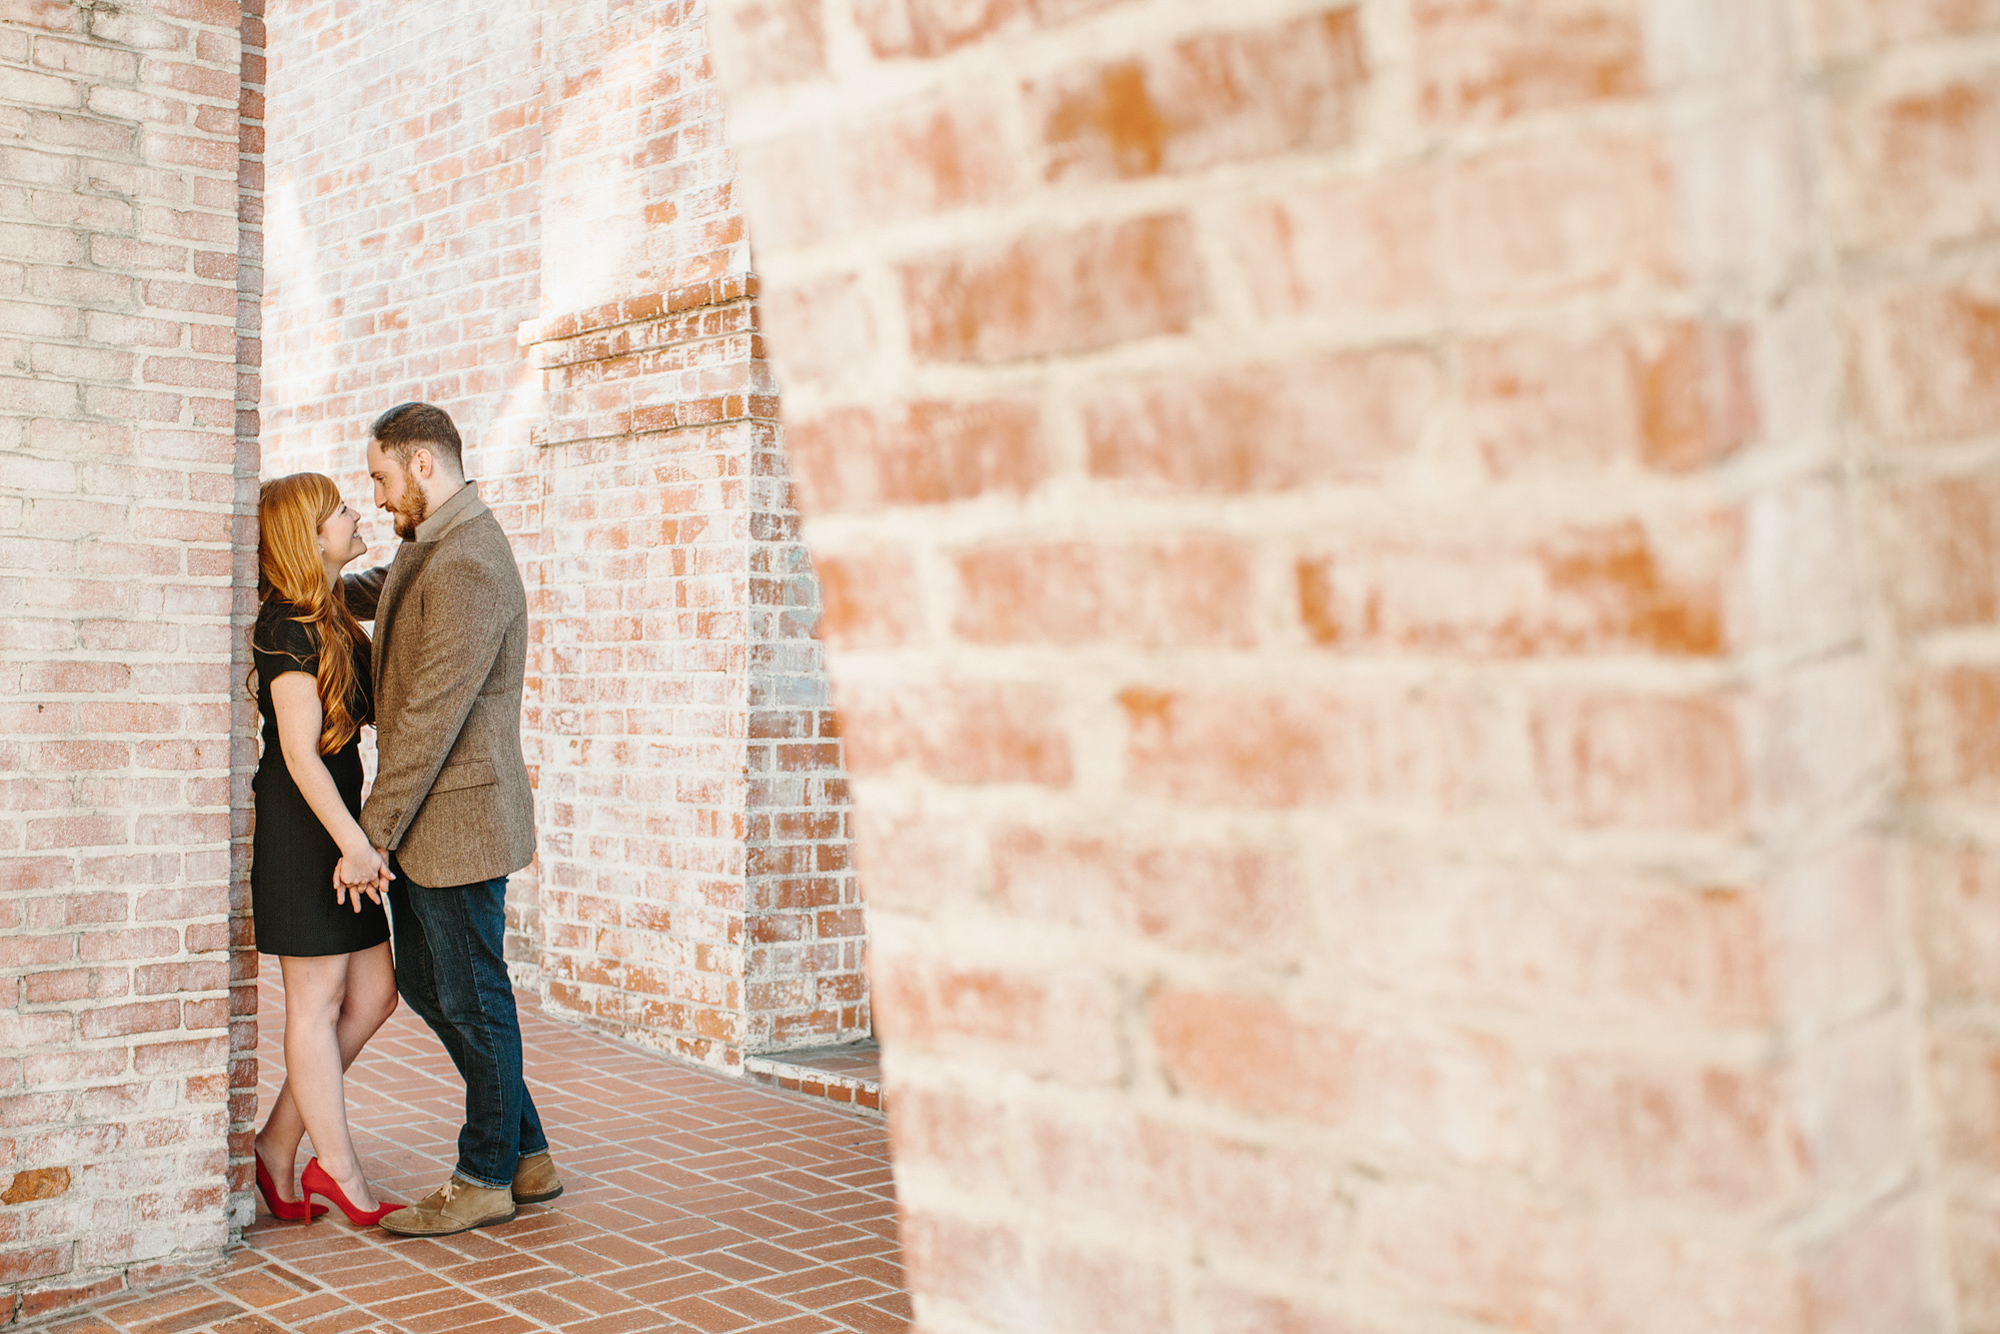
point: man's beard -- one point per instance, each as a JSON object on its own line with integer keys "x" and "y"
{"x": 416, "y": 507}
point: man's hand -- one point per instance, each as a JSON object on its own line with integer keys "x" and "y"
{"x": 360, "y": 874}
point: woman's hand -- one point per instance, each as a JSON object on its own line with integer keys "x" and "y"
{"x": 358, "y": 874}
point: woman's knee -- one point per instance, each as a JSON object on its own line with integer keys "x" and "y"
{"x": 372, "y": 998}
{"x": 314, "y": 992}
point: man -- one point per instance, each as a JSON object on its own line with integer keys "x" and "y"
{"x": 451, "y": 805}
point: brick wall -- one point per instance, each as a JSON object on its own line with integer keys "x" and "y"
{"x": 123, "y": 528}
{"x": 1367, "y": 697}
{"x": 525, "y": 212}
{"x": 1914, "y": 189}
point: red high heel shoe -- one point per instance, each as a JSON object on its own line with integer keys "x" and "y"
{"x": 314, "y": 1181}
{"x": 291, "y": 1211}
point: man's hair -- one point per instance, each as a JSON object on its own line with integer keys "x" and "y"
{"x": 405, "y": 428}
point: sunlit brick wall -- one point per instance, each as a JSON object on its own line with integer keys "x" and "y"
{"x": 1365, "y": 691}
{"x": 525, "y": 212}
{"x": 1912, "y": 124}
{"x": 696, "y": 879}
{"x": 122, "y": 526}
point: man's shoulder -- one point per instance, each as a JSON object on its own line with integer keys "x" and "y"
{"x": 475, "y": 548}
{"x": 475, "y": 537}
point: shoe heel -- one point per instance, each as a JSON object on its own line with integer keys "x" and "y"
{"x": 291, "y": 1211}
{"x": 315, "y": 1181}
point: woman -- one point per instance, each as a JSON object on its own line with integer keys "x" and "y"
{"x": 315, "y": 881}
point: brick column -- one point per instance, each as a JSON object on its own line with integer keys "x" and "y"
{"x": 122, "y": 531}
{"x": 694, "y": 889}
{"x": 1369, "y": 746}
{"x": 1910, "y": 124}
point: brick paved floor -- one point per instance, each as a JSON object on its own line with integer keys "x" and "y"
{"x": 694, "y": 1202}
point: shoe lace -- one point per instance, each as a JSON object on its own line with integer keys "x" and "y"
{"x": 450, "y": 1189}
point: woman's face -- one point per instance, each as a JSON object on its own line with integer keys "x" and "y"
{"x": 340, "y": 536}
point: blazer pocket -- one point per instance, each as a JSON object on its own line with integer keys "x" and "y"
{"x": 471, "y": 773}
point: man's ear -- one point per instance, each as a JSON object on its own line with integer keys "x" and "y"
{"x": 421, "y": 465}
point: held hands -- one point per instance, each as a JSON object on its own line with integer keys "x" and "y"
{"x": 358, "y": 874}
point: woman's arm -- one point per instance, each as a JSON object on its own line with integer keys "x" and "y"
{"x": 295, "y": 699}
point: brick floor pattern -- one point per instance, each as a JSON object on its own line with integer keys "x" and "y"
{"x": 693, "y": 1203}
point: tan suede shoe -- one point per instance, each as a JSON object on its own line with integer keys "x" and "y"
{"x": 535, "y": 1180}
{"x": 456, "y": 1206}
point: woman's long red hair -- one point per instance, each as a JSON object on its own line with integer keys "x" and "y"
{"x": 290, "y": 511}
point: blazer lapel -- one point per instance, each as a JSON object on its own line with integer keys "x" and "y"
{"x": 409, "y": 560}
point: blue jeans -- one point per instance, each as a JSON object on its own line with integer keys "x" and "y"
{"x": 451, "y": 968}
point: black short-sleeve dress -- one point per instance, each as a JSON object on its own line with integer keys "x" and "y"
{"x": 292, "y": 856}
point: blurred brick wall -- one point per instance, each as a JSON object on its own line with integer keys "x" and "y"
{"x": 1369, "y": 701}
{"x": 124, "y": 525}
{"x": 1913, "y": 145}
{"x": 524, "y": 211}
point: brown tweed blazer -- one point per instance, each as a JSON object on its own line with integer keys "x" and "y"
{"x": 451, "y": 796}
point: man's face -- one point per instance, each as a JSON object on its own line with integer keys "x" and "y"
{"x": 397, "y": 491}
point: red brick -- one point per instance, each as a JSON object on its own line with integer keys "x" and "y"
{"x": 913, "y": 864}
{"x": 1549, "y": 943}
{"x": 821, "y": 332}
{"x": 1974, "y": 1260}
{"x": 1195, "y": 592}
{"x": 1955, "y": 909}
{"x": 1931, "y": 363}
{"x": 1951, "y": 731}
{"x": 1965, "y": 1079}
{"x": 123, "y": 1020}
{"x": 1483, "y": 60}
{"x": 1706, "y": 1135}
{"x": 198, "y": 1055}
{"x": 1874, "y": 1275}
{"x": 1055, "y": 292}
{"x": 1263, "y": 1204}
{"x": 923, "y": 453}
{"x": 778, "y": 41}
{"x": 1363, "y": 245}
{"x": 870, "y": 598}
{"x": 70, "y": 984}
{"x": 911, "y": 163}
{"x": 1428, "y": 1092}
{"x": 933, "y": 27}
{"x": 970, "y": 732}
{"x": 956, "y": 1131}
{"x": 1141, "y": 1175}
{"x": 1059, "y": 1024}
{"x": 1580, "y": 591}
{"x": 1033, "y": 1283}
{"x": 1230, "y": 1309}
{"x": 1636, "y": 762}
{"x": 1348, "y": 417}
{"x": 1672, "y": 398}
{"x": 1244, "y": 748}
{"x": 1943, "y": 552}
{"x": 1511, "y": 1264}
{"x": 1212, "y": 898}
{"x": 78, "y": 677}
{"x": 1215, "y": 98}
{"x": 1562, "y": 218}
{"x": 44, "y": 1262}
{"x": 1917, "y": 166}
{"x": 47, "y": 15}
{"x": 1884, "y": 21}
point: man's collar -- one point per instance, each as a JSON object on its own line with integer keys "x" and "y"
{"x": 463, "y": 504}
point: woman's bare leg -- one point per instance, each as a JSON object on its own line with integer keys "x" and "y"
{"x": 367, "y": 997}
